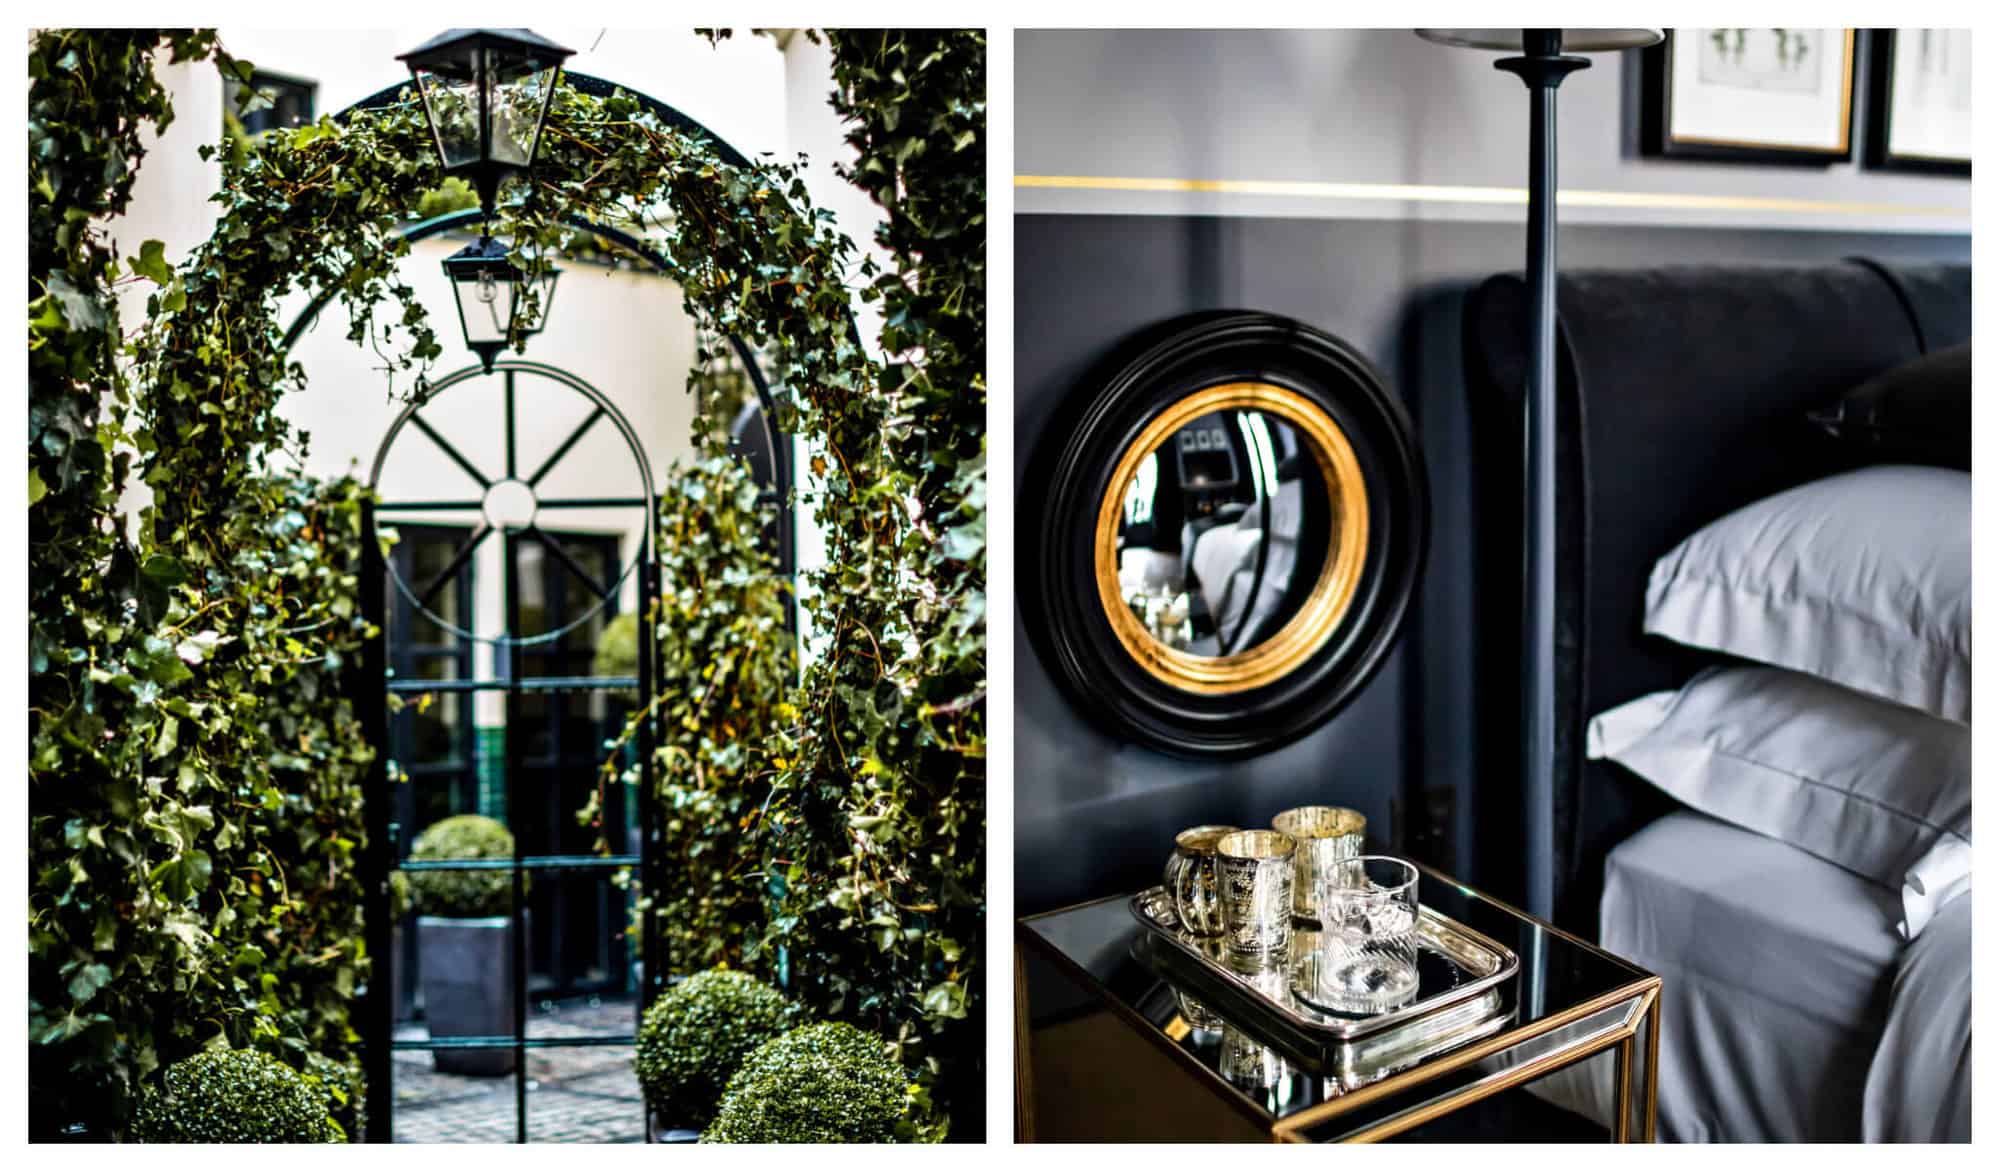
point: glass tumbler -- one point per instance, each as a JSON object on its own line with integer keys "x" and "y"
{"x": 1253, "y": 870}
{"x": 1190, "y": 879}
{"x": 1368, "y": 935}
{"x": 1326, "y": 835}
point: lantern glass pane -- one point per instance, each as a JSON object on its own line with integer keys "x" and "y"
{"x": 535, "y": 316}
{"x": 453, "y": 105}
{"x": 485, "y": 306}
{"x": 517, "y": 117}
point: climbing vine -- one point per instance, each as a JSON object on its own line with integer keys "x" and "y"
{"x": 191, "y": 806}
{"x": 885, "y": 887}
{"x": 873, "y": 824}
{"x": 726, "y": 666}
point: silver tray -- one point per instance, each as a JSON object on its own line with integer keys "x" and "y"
{"x": 1465, "y": 991}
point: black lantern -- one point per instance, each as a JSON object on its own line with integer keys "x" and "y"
{"x": 498, "y": 305}
{"x": 486, "y": 93}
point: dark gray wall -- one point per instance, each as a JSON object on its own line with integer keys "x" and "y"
{"x": 1094, "y": 816}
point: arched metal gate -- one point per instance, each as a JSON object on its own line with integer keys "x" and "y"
{"x": 376, "y": 1021}
{"x": 508, "y": 504}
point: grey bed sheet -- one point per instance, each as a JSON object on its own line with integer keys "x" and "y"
{"x": 1920, "y": 1086}
{"x": 1777, "y": 970}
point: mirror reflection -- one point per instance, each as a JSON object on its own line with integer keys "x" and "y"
{"x": 1224, "y": 532}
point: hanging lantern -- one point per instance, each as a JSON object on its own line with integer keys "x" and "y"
{"x": 486, "y": 93}
{"x": 498, "y": 305}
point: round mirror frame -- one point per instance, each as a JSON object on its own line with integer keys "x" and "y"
{"x": 1254, "y": 700}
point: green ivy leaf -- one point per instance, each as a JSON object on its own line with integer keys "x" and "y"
{"x": 169, "y": 738}
{"x": 151, "y": 263}
{"x": 79, "y": 308}
{"x": 162, "y": 570}
{"x": 184, "y": 876}
{"x": 87, "y": 981}
{"x": 946, "y": 1000}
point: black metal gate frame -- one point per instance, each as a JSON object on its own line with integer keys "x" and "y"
{"x": 379, "y": 1042}
{"x": 378, "y": 858}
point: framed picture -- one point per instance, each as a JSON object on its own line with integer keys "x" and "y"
{"x": 1920, "y": 100}
{"x": 1757, "y": 95}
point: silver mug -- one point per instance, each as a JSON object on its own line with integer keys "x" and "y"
{"x": 1253, "y": 870}
{"x": 1190, "y": 880}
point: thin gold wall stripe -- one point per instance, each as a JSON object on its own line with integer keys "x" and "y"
{"x": 1441, "y": 193}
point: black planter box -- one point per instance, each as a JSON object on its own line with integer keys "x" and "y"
{"x": 468, "y": 989}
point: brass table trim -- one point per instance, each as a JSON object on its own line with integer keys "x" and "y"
{"x": 1640, "y": 994}
{"x": 1024, "y": 1086}
{"x": 1527, "y": 1072}
{"x": 1652, "y": 1072}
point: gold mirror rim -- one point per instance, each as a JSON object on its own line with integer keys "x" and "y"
{"x": 1340, "y": 574}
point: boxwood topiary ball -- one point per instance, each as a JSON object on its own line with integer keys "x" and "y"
{"x": 697, "y": 1034}
{"x": 461, "y": 894}
{"x": 233, "y": 1097}
{"x": 828, "y": 1083}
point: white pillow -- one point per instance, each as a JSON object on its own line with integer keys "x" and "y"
{"x": 1942, "y": 875}
{"x": 1867, "y": 786}
{"x": 1864, "y": 579}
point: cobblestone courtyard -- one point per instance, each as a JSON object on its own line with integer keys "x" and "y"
{"x": 575, "y": 1095}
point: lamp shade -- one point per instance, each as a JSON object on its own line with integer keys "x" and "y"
{"x": 497, "y": 304}
{"x": 1574, "y": 40}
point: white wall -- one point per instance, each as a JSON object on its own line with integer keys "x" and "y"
{"x": 170, "y": 195}
{"x": 1381, "y": 106}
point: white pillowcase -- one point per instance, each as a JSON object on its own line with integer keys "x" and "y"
{"x": 1864, "y": 579}
{"x": 1942, "y": 875}
{"x": 1867, "y": 786}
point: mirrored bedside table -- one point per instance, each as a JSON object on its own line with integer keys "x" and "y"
{"x": 1105, "y": 1048}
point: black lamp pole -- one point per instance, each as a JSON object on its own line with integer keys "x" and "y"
{"x": 1542, "y": 68}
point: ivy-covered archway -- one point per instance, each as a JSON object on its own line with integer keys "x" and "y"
{"x": 196, "y": 818}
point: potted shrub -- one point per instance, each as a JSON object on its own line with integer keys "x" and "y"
{"x": 827, "y": 1083}
{"x": 233, "y": 1097}
{"x": 465, "y": 942}
{"x": 695, "y": 1036}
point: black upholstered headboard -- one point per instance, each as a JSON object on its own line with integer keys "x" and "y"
{"x": 1682, "y": 397}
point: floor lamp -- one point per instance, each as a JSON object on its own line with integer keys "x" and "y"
{"x": 1541, "y": 67}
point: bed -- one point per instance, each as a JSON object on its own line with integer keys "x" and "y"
{"x": 1792, "y": 1008}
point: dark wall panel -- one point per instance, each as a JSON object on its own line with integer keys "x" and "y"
{"x": 1095, "y": 816}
